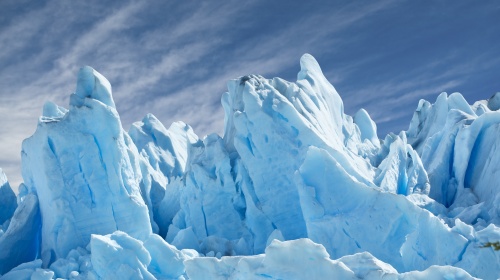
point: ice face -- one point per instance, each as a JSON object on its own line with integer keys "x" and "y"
{"x": 166, "y": 150}
{"x": 119, "y": 254}
{"x": 401, "y": 171}
{"x": 20, "y": 243}
{"x": 494, "y": 102}
{"x": 242, "y": 188}
{"x": 367, "y": 127}
{"x": 456, "y": 146}
{"x": 52, "y": 111}
{"x": 334, "y": 215}
{"x": 294, "y": 182}
{"x": 91, "y": 85}
{"x": 8, "y": 202}
{"x": 268, "y": 124}
{"x": 166, "y": 154}
{"x": 86, "y": 172}
{"x": 211, "y": 205}
{"x": 430, "y": 119}
{"x": 261, "y": 174}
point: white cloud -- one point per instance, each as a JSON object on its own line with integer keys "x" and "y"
{"x": 64, "y": 40}
{"x": 174, "y": 60}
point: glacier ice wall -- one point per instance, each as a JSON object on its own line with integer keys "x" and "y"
{"x": 458, "y": 145}
{"x": 166, "y": 153}
{"x": 21, "y": 241}
{"x": 249, "y": 178}
{"x": 259, "y": 181}
{"x": 85, "y": 170}
{"x": 267, "y": 123}
{"x": 290, "y": 166}
{"x": 8, "y": 202}
{"x": 348, "y": 217}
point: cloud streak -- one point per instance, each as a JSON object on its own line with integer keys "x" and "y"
{"x": 174, "y": 59}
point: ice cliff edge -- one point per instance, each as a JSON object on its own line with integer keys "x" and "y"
{"x": 85, "y": 170}
{"x": 98, "y": 202}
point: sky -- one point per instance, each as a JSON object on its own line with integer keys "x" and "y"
{"x": 174, "y": 58}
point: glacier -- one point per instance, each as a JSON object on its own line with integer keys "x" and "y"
{"x": 85, "y": 171}
{"x": 294, "y": 188}
{"x": 8, "y": 202}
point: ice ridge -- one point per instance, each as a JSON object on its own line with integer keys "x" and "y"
{"x": 294, "y": 189}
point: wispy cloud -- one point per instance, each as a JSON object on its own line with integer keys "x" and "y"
{"x": 100, "y": 39}
{"x": 176, "y": 68}
{"x": 173, "y": 59}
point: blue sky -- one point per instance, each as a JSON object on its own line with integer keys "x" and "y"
{"x": 173, "y": 58}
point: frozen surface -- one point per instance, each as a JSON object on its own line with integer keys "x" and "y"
{"x": 458, "y": 147}
{"x": 242, "y": 187}
{"x": 293, "y": 189}
{"x": 303, "y": 259}
{"x": 348, "y": 217}
{"x": 401, "y": 170}
{"x": 120, "y": 256}
{"x": 29, "y": 271}
{"x": 166, "y": 154}
{"x": 8, "y": 202}
{"x": 21, "y": 242}
{"x": 85, "y": 170}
